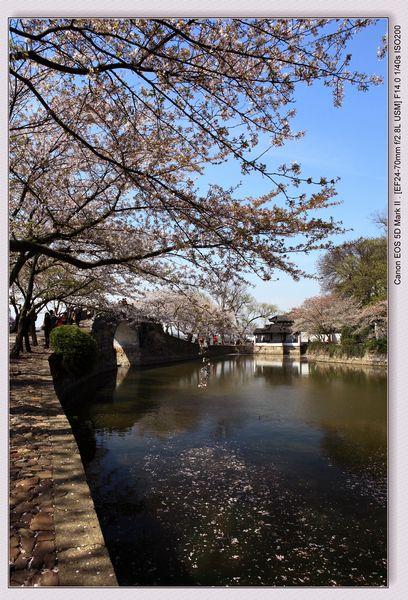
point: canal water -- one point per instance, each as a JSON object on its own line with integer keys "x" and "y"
{"x": 240, "y": 471}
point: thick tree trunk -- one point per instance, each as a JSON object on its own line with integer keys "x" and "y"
{"x": 15, "y": 326}
{"x": 33, "y": 332}
{"x": 15, "y": 351}
{"x": 16, "y": 314}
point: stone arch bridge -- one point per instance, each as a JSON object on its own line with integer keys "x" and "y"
{"x": 124, "y": 343}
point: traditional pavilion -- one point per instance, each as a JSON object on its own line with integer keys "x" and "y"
{"x": 277, "y": 336}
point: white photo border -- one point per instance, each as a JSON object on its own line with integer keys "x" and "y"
{"x": 397, "y": 13}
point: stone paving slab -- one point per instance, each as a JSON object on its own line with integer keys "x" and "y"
{"x": 55, "y": 537}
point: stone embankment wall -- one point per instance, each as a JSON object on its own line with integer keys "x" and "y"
{"x": 277, "y": 350}
{"x": 213, "y": 351}
{"x": 372, "y": 360}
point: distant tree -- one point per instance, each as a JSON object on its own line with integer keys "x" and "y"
{"x": 252, "y": 315}
{"x": 233, "y": 299}
{"x": 187, "y": 312}
{"x": 380, "y": 218}
{"x": 356, "y": 270}
{"x": 228, "y": 310}
{"x": 322, "y": 316}
{"x": 374, "y": 319}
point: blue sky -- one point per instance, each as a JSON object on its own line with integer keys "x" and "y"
{"x": 349, "y": 142}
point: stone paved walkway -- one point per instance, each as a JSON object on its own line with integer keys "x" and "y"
{"x": 55, "y": 538}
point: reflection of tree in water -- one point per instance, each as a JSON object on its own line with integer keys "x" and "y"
{"x": 363, "y": 470}
{"x": 166, "y": 401}
{"x": 339, "y": 399}
{"x": 167, "y": 421}
{"x": 150, "y": 380}
{"x": 358, "y": 374}
{"x": 218, "y": 371}
{"x": 361, "y": 453}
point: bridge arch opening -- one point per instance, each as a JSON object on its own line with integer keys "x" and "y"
{"x": 126, "y": 344}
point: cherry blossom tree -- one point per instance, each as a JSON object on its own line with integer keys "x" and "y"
{"x": 374, "y": 317}
{"x": 322, "y": 316}
{"x": 113, "y": 120}
{"x": 233, "y": 299}
{"x": 188, "y": 312}
{"x": 226, "y": 309}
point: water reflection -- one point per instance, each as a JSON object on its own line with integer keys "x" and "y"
{"x": 282, "y": 366}
{"x": 241, "y": 471}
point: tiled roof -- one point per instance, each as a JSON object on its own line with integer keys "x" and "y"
{"x": 280, "y": 319}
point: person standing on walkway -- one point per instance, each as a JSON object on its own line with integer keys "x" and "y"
{"x": 25, "y": 331}
{"x": 53, "y": 319}
{"x": 62, "y": 319}
{"x": 78, "y": 315}
{"x": 47, "y": 329}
